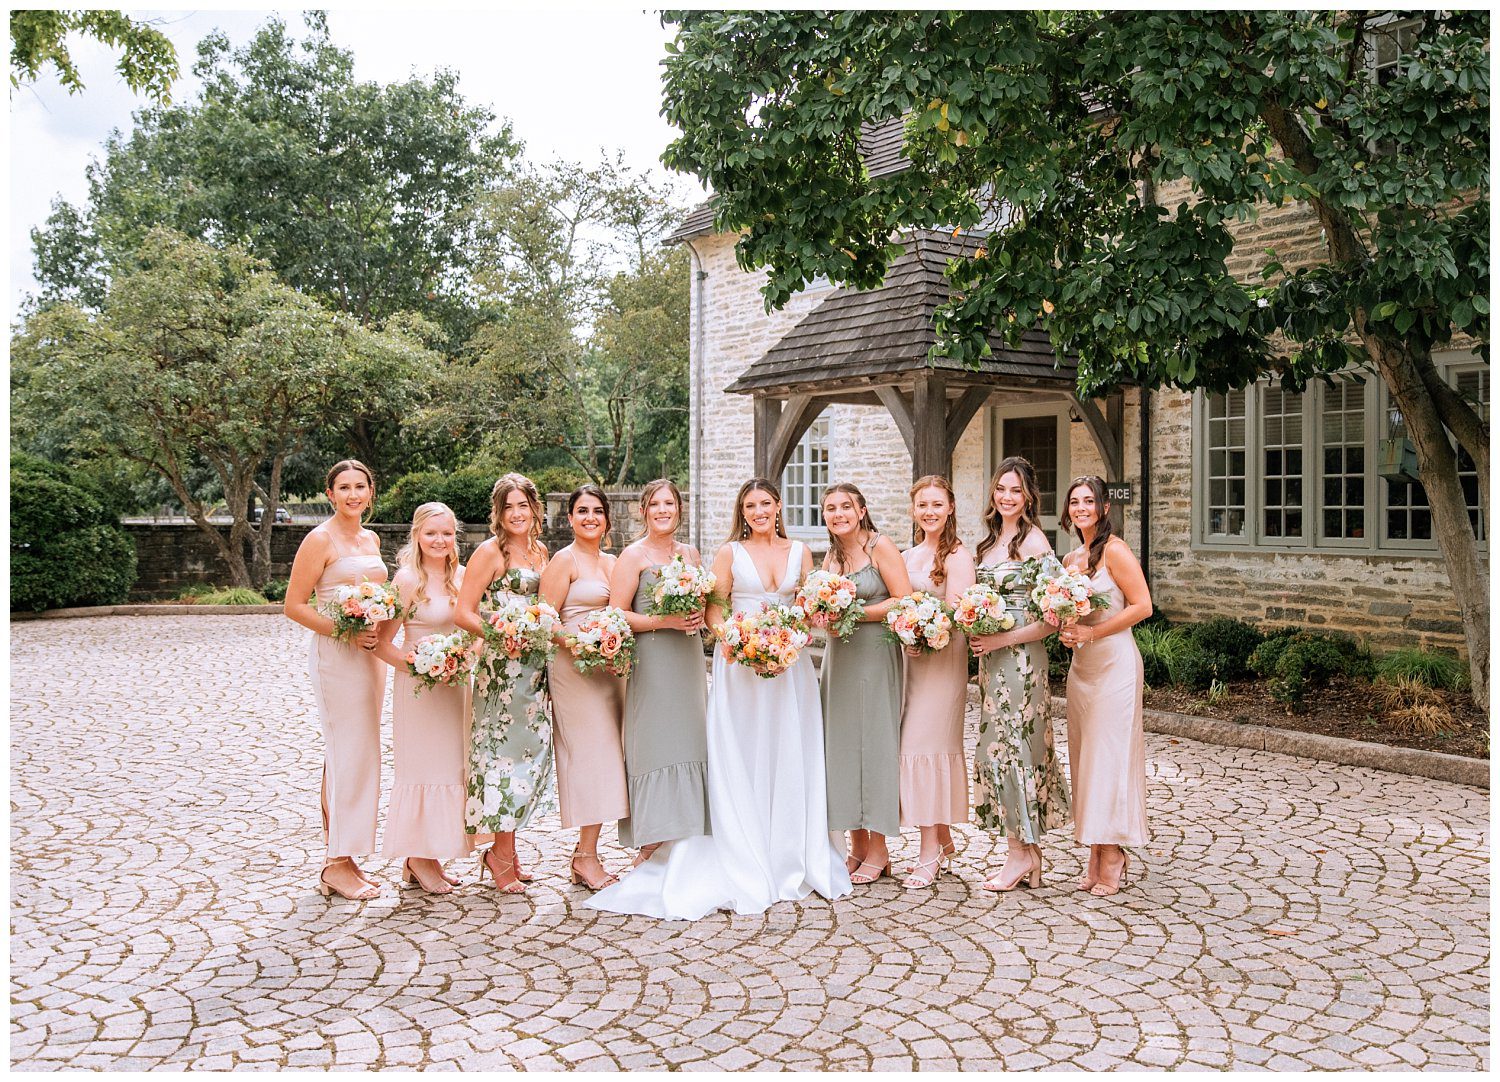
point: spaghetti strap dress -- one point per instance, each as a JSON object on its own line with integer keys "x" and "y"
{"x": 861, "y": 692}
{"x": 587, "y": 712}
{"x": 666, "y": 733}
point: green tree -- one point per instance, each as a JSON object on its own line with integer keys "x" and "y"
{"x": 148, "y": 59}
{"x": 1065, "y": 127}
{"x": 589, "y": 347}
{"x": 201, "y": 356}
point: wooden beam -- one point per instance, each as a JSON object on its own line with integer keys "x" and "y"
{"x": 929, "y": 449}
{"x": 901, "y": 412}
{"x": 960, "y": 413}
{"x": 1105, "y": 438}
{"x": 767, "y": 417}
{"x": 800, "y": 411}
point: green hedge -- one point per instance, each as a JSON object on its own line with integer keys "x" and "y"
{"x": 466, "y": 491}
{"x": 66, "y": 549}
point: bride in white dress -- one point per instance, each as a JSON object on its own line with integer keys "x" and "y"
{"x": 767, "y": 795}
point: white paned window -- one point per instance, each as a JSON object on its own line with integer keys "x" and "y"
{"x": 805, "y": 478}
{"x": 1474, "y": 385}
{"x": 1226, "y": 466}
{"x": 1279, "y": 470}
{"x": 1386, "y": 45}
{"x": 1345, "y": 455}
{"x": 1281, "y": 463}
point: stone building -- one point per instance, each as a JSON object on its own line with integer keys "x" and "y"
{"x": 1259, "y": 504}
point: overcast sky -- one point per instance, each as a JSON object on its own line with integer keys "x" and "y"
{"x": 572, "y": 79}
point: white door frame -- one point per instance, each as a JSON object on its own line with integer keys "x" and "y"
{"x": 994, "y": 440}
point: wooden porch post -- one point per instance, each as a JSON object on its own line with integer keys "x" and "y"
{"x": 930, "y": 452}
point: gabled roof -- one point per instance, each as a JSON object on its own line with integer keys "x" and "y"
{"x": 888, "y": 330}
{"x": 879, "y": 145}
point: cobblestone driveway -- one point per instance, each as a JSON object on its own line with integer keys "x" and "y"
{"x": 164, "y": 829}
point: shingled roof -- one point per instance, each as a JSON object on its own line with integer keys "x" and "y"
{"x": 888, "y": 330}
{"x": 880, "y": 147}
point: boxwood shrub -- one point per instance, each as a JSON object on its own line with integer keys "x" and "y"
{"x": 65, "y": 548}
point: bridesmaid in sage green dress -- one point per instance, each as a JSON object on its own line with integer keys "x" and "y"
{"x": 1020, "y": 790}
{"x": 861, "y": 689}
{"x": 666, "y": 698}
{"x": 510, "y": 742}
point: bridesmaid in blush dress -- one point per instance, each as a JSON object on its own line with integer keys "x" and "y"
{"x": 510, "y": 736}
{"x": 348, "y": 680}
{"x": 861, "y": 689}
{"x": 1020, "y": 790}
{"x": 934, "y": 783}
{"x": 666, "y": 698}
{"x": 424, "y": 824}
{"x": 1106, "y": 740}
{"x": 586, "y": 708}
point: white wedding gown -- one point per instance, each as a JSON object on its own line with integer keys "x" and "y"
{"x": 766, "y": 791}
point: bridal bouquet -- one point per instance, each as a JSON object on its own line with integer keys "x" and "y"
{"x": 1062, "y": 597}
{"x": 682, "y": 590}
{"x": 359, "y": 608}
{"x": 833, "y": 597}
{"x": 766, "y": 640}
{"x": 442, "y": 660}
{"x": 980, "y": 610}
{"x": 521, "y": 630}
{"x": 603, "y": 640}
{"x": 920, "y": 620}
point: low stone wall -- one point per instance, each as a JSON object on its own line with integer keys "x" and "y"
{"x": 170, "y": 557}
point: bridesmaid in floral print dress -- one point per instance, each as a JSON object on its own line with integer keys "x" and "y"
{"x": 1020, "y": 790}
{"x": 510, "y": 743}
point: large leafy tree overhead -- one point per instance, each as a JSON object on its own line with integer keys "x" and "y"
{"x": 355, "y": 192}
{"x": 588, "y": 354}
{"x": 358, "y": 194}
{"x": 201, "y": 359}
{"x": 1120, "y": 154}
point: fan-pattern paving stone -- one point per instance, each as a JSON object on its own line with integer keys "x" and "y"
{"x": 164, "y": 847}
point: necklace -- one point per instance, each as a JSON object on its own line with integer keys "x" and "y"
{"x": 646, "y": 548}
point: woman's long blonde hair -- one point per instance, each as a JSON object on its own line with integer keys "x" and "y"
{"x": 507, "y": 484}
{"x": 410, "y": 556}
{"x": 866, "y": 523}
{"x": 1031, "y": 502}
{"x": 948, "y": 539}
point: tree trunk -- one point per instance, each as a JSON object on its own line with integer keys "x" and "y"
{"x": 1438, "y": 464}
{"x": 234, "y": 558}
{"x": 1423, "y": 405}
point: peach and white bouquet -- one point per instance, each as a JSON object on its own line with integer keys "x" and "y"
{"x": 981, "y": 610}
{"x": 766, "y": 640}
{"x": 1062, "y": 597}
{"x": 442, "y": 660}
{"x": 832, "y": 601}
{"x": 603, "y": 640}
{"x": 521, "y": 629}
{"x": 360, "y": 607}
{"x": 683, "y": 589}
{"x": 921, "y": 620}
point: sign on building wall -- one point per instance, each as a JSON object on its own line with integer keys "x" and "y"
{"x": 1119, "y": 493}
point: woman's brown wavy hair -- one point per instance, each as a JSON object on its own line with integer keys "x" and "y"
{"x": 507, "y": 484}
{"x": 1106, "y": 528}
{"x": 1031, "y": 497}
